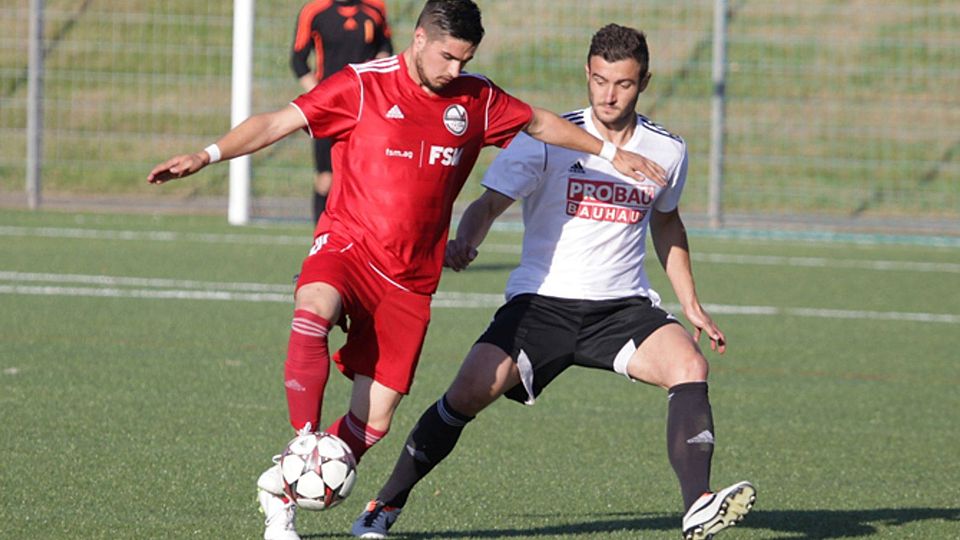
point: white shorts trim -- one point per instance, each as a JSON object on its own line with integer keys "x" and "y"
{"x": 526, "y": 376}
{"x": 623, "y": 357}
{"x": 384, "y": 276}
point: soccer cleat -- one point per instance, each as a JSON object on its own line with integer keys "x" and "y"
{"x": 271, "y": 480}
{"x": 280, "y": 512}
{"x": 375, "y": 521}
{"x": 714, "y": 512}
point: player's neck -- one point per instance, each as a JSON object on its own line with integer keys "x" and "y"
{"x": 412, "y": 72}
{"x": 617, "y": 132}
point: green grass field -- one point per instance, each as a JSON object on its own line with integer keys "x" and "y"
{"x": 140, "y": 393}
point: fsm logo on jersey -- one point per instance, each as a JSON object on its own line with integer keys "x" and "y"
{"x": 455, "y": 118}
{"x": 448, "y": 157}
{"x": 600, "y": 200}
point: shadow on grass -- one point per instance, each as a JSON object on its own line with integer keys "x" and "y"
{"x": 793, "y": 524}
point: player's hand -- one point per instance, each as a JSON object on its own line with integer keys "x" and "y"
{"x": 459, "y": 255}
{"x": 178, "y": 167}
{"x": 638, "y": 167}
{"x": 704, "y": 324}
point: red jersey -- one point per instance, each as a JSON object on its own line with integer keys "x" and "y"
{"x": 400, "y": 157}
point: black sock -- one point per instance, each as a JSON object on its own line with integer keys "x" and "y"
{"x": 319, "y": 205}
{"x": 431, "y": 440}
{"x": 690, "y": 438}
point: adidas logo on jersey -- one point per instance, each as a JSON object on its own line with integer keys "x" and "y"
{"x": 395, "y": 113}
{"x": 577, "y": 168}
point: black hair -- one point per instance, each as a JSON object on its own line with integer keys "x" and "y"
{"x": 459, "y": 19}
{"x": 614, "y": 42}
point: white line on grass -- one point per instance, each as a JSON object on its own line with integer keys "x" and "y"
{"x": 821, "y": 313}
{"x": 822, "y": 262}
{"x": 262, "y": 239}
{"x": 806, "y": 262}
{"x": 113, "y": 287}
{"x": 106, "y": 292}
{"x": 157, "y": 236}
{"x": 156, "y": 283}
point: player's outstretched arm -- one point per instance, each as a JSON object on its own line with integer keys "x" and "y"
{"x": 474, "y": 226}
{"x": 670, "y": 240}
{"x": 547, "y": 127}
{"x": 252, "y": 134}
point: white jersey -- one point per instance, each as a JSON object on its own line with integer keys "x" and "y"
{"x": 585, "y": 224}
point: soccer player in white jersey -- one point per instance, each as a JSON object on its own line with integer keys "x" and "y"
{"x": 580, "y": 295}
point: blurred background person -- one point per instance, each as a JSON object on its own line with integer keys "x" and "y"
{"x": 338, "y": 32}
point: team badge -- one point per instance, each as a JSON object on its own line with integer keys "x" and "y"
{"x": 455, "y": 118}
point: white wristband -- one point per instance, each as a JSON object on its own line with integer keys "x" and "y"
{"x": 214, "y": 152}
{"x": 608, "y": 151}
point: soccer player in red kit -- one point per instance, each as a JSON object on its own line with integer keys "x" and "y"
{"x": 407, "y": 131}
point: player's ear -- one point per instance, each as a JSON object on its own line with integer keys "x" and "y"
{"x": 586, "y": 69}
{"x": 419, "y": 37}
{"x": 644, "y": 81}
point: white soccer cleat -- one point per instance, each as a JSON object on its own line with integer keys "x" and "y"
{"x": 280, "y": 513}
{"x": 271, "y": 480}
{"x": 714, "y": 512}
{"x": 375, "y": 520}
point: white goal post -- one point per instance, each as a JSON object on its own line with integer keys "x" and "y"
{"x": 238, "y": 212}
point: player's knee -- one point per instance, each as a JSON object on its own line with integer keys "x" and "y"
{"x": 467, "y": 396}
{"x": 485, "y": 375}
{"x": 690, "y": 367}
{"x": 463, "y": 398}
{"x": 320, "y": 298}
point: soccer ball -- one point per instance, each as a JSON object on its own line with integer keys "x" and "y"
{"x": 319, "y": 471}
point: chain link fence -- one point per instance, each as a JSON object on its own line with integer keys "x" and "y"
{"x": 836, "y": 110}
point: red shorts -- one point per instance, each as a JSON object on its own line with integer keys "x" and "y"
{"x": 386, "y": 324}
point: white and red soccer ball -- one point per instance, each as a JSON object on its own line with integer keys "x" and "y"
{"x": 319, "y": 471}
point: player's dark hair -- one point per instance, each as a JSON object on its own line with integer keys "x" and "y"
{"x": 614, "y": 42}
{"x": 459, "y": 19}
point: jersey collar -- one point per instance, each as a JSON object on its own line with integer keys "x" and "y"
{"x": 634, "y": 140}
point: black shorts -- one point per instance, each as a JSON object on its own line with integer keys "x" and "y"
{"x": 546, "y": 335}
{"x": 321, "y": 155}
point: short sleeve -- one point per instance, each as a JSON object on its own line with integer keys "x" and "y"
{"x": 517, "y": 171}
{"x": 506, "y": 116}
{"x": 333, "y": 106}
{"x": 669, "y": 198}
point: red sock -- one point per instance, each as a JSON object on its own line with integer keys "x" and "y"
{"x": 358, "y": 436}
{"x": 307, "y": 368}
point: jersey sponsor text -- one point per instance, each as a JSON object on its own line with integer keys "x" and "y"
{"x": 600, "y": 200}
{"x": 449, "y": 157}
{"x": 405, "y": 154}
{"x": 599, "y": 212}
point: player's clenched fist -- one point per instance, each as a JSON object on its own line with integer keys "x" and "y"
{"x": 459, "y": 255}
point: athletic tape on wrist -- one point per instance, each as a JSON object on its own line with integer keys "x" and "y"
{"x": 214, "y": 152}
{"x": 608, "y": 151}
